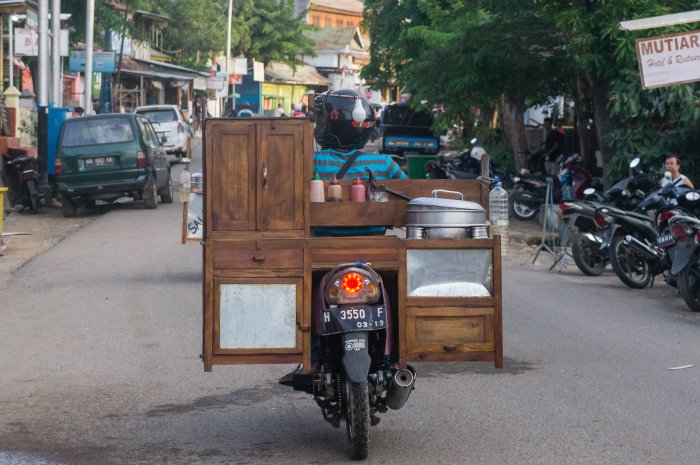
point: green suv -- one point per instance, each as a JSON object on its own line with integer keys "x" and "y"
{"x": 104, "y": 157}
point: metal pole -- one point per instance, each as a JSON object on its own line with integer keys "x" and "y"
{"x": 11, "y": 56}
{"x": 56, "y": 53}
{"x": 89, "y": 42}
{"x": 43, "y": 100}
{"x": 228, "y": 47}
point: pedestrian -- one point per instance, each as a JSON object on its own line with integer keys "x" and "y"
{"x": 552, "y": 146}
{"x": 279, "y": 111}
{"x": 297, "y": 112}
{"x": 77, "y": 112}
{"x": 673, "y": 166}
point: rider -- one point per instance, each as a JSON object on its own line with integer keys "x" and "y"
{"x": 344, "y": 123}
{"x": 673, "y": 166}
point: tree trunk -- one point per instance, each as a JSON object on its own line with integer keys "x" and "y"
{"x": 603, "y": 121}
{"x": 514, "y": 127}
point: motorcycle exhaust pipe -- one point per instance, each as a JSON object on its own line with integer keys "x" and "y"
{"x": 400, "y": 387}
{"x": 647, "y": 251}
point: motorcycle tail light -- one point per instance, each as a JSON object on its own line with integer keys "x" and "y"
{"x": 565, "y": 206}
{"x": 681, "y": 231}
{"x": 600, "y": 220}
{"x": 141, "y": 161}
{"x": 29, "y": 174}
{"x": 58, "y": 166}
{"x": 665, "y": 216}
{"x": 697, "y": 237}
{"x": 352, "y": 283}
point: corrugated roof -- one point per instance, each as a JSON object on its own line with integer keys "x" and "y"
{"x": 334, "y": 38}
{"x": 157, "y": 70}
{"x": 354, "y": 6}
{"x": 304, "y": 74}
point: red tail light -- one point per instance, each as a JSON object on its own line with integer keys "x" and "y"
{"x": 565, "y": 206}
{"x": 352, "y": 283}
{"x": 681, "y": 231}
{"x": 141, "y": 160}
{"x": 600, "y": 220}
{"x": 58, "y": 166}
{"x": 665, "y": 216}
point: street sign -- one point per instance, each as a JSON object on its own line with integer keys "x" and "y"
{"x": 27, "y": 42}
{"x": 102, "y": 62}
{"x": 199, "y": 83}
{"x": 669, "y": 60}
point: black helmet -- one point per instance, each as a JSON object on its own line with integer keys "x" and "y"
{"x": 335, "y": 126}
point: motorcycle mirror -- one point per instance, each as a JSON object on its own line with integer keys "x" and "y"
{"x": 634, "y": 163}
{"x": 589, "y": 191}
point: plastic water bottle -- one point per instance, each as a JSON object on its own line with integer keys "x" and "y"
{"x": 498, "y": 215}
{"x": 185, "y": 181}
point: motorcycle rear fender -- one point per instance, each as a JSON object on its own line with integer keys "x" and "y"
{"x": 356, "y": 359}
{"x": 593, "y": 238}
{"x": 31, "y": 187}
{"x": 681, "y": 256}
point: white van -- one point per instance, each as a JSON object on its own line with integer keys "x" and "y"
{"x": 168, "y": 122}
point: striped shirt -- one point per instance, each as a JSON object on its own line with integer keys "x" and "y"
{"x": 328, "y": 162}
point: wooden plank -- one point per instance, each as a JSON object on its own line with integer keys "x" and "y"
{"x": 430, "y": 302}
{"x": 306, "y": 309}
{"x": 261, "y": 273}
{"x": 451, "y": 357}
{"x": 208, "y": 307}
{"x": 352, "y": 213}
{"x": 452, "y": 330}
{"x": 498, "y": 293}
{"x": 249, "y": 359}
{"x": 403, "y": 291}
{"x": 329, "y": 256}
{"x": 226, "y": 259}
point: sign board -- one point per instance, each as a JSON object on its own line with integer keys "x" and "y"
{"x": 27, "y": 42}
{"x": 215, "y": 82}
{"x": 258, "y": 71}
{"x": 240, "y": 66}
{"x": 115, "y": 43}
{"x": 193, "y": 218}
{"x": 222, "y": 92}
{"x": 199, "y": 83}
{"x": 102, "y": 62}
{"x": 669, "y": 60}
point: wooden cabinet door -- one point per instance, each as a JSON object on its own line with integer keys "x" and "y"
{"x": 280, "y": 187}
{"x": 230, "y": 173}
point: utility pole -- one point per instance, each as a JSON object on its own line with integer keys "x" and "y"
{"x": 89, "y": 43}
{"x": 228, "y": 49}
{"x": 43, "y": 101}
{"x": 56, "y": 53}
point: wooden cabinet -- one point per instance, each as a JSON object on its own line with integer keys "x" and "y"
{"x": 261, "y": 260}
{"x": 255, "y": 172}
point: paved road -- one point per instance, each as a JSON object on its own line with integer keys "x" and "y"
{"x": 100, "y": 365}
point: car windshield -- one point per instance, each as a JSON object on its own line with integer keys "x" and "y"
{"x": 403, "y": 115}
{"x": 88, "y": 131}
{"x": 159, "y": 116}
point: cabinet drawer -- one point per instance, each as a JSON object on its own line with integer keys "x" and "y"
{"x": 228, "y": 258}
{"x": 454, "y": 332}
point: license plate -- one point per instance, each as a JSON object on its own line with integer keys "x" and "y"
{"x": 666, "y": 240}
{"x": 353, "y": 318}
{"x": 100, "y": 161}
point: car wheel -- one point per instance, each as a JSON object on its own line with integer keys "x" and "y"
{"x": 166, "y": 193}
{"x": 150, "y": 195}
{"x": 70, "y": 209}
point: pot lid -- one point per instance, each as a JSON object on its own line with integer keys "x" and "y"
{"x": 453, "y": 204}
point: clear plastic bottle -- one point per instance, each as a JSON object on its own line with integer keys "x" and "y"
{"x": 498, "y": 215}
{"x": 185, "y": 181}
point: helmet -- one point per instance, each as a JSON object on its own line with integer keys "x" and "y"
{"x": 335, "y": 126}
{"x": 477, "y": 152}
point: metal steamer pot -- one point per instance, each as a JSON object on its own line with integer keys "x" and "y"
{"x": 442, "y": 218}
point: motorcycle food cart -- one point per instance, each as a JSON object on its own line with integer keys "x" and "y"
{"x": 262, "y": 265}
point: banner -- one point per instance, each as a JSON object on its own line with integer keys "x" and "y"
{"x": 258, "y": 71}
{"x": 27, "y": 42}
{"x": 669, "y": 60}
{"x": 240, "y": 66}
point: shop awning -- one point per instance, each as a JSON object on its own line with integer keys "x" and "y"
{"x": 158, "y": 70}
{"x": 282, "y": 73}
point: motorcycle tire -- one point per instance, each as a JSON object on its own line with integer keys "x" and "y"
{"x": 357, "y": 419}
{"x": 523, "y": 211}
{"x": 32, "y": 196}
{"x": 689, "y": 284}
{"x": 629, "y": 265}
{"x": 587, "y": 256}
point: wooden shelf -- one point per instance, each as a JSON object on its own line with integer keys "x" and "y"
{"x": 353, "y": 213}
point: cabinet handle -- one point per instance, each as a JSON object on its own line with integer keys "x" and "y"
{"x": 259, "y": 258}
{"x": 449, "y": 348}
{"x": 264, "y": 175}
{"x": 304, "y": 328}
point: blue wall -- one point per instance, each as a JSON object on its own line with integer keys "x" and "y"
{"x": 250, "y": 94}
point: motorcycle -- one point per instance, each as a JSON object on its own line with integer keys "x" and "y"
{"x": 588, "y": 249}
{"x": 354, "y": 375}
{"x": 634, "y": 250}
{"x": 21, "y": 176}
{"x": 684, "y": 230}
{"x": 530, "y": 190}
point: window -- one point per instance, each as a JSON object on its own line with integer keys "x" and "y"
{"x": 160, "y": 116}
{"x": 338, "y": 23}
{"x": 87, "y": 131}
{"x": 316, "y": 20}
{"x": 329, "y": 22}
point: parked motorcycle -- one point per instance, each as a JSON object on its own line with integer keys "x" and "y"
{"x": 354, "y": 375}
{"x": 21, "y": 176}
{"x": 589, "y": 251}
{"x": 685, "y": 231}
{"x": 634, "y": 253}
{"x": 529, "y": 191}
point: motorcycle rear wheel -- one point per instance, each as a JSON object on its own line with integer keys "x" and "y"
{"x": 32, "y": 196}
{"x": 587, "y": 256}
{"x": 357, "y": 419}
{"x": 629, "y": 265}
{"x": 523, "y": 211}
{"x": 689, "y": 284}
